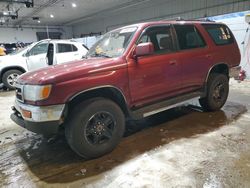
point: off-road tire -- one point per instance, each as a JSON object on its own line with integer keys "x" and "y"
{"x": 77, "y": 127}
{"x": 216, "y": 93}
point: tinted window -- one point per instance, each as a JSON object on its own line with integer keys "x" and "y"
{"x": 64, "y": 48}
{"x": 74, "y": 48}
{"x": 189, "y": 37}
{"x": 39, "y": 49}
{"x": 220, "y": 33}
{"x": 161, "y": 38}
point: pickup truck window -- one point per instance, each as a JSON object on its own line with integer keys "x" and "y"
{"x": 64, "y": 48}
{"x": 161, "y": 38}
{"x": 189, "y": 37}
{"x": 113, "y": 44}
{"x": 220, "y": 34}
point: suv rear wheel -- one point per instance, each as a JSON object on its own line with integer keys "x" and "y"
{"x": 95, "y": 127}
{"x": 217, "y": 92}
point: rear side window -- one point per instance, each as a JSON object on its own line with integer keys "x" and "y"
{"x": 189, "y": 37}
{"x": 74, "y": 48}
{"x": 220, "y": 34}
{"x": 63, "y": 48}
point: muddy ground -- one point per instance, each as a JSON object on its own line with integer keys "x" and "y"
{"x": 181, "y": 147}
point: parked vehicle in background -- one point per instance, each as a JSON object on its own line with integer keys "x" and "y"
{"x": 132, "y": 72}
{"x": 10, "y": 47}
{"x": 38, "y": 55}
{"x": 2, "y": 50}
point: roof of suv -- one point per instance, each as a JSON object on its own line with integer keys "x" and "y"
{"x": 60, "y": 40}
{"x": 145, "y": 24}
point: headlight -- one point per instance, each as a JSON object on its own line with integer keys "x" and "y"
{"x": 36, "y": 93}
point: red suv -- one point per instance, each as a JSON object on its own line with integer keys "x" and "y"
{"x": 134, "y": 71}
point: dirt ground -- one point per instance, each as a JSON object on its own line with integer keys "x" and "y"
{"x": 181, "y": 147}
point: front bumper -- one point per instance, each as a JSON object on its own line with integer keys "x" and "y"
{"x": 234, "y": 72}
{"x": 44, "y": 128}
{"x": 40, "y": 113}
{"x": 44, "y": 120}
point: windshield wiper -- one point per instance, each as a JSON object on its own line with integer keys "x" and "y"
{"x": 100, "y": 55}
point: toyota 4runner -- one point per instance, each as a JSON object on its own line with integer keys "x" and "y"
{"x": 134, "y": 71}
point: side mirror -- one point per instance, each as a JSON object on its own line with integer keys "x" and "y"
{"x": 144, "y": 49}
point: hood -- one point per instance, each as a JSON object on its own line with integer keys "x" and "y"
{"x": 5, "y": 60}
{"x": 10, "y": 57}
{"x": 71, "y": 70}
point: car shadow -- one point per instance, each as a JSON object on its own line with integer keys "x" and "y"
{"x": 56, "y": 163}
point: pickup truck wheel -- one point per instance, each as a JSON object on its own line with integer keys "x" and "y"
{"x": 10, "y": 77}
{"x": 217, "y": 92}
{"x": 95, "y": 127}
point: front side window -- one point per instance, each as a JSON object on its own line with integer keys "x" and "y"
{"x": 220, "y": 34}
{"x": 39, "y": 49}
{"x": 189, "y": 37}
{"x": 161, "y": 38}
{"x": 64, "y": 48}
{"x": 113, "y": 44}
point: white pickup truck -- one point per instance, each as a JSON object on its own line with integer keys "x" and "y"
{"x": 38, "y": 55}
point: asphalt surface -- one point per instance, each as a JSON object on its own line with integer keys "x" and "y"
{"x": 181, "y": 147}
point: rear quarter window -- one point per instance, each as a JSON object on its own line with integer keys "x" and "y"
{"x": 64, "y": 48}
{"x": 220, "y": 34}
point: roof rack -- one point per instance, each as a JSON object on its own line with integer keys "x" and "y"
{"x": 182, "y": 19}
{"x": 201, "y": 19}
{"x": 174, "y": 19}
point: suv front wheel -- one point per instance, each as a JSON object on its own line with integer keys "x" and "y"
{"x": 10, "y": 77}
{"x": 217, "y": 92}
{"x": 95, "y": 127}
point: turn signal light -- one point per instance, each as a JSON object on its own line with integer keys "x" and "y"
{"x": 26, "y": 113}
{"x": 45, "y": 92}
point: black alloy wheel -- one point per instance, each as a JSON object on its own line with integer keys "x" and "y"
{"x": 100, "y": 128}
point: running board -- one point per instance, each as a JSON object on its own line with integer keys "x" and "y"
{"x": 164, "y": 105}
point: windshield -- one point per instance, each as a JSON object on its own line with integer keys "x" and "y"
{"x": 113, "y": 44}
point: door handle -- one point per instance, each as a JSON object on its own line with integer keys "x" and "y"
{"x": 208, "y": 56}
{"x": 172, "y": 62}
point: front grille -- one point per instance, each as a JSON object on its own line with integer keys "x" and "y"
{"x": 19, "y": 93}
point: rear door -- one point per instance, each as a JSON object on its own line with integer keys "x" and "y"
{"x": 194, "y": 56}
{"x": 66, "y": 52}
{"x": 157, "y": 76}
